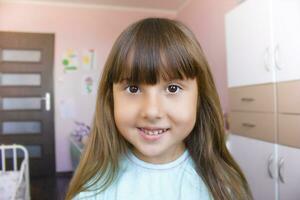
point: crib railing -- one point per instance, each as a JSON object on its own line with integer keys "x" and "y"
{"x": 24, "y": 168}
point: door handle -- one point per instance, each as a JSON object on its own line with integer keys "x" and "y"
{"x": 280, "y": 169}
{"x": 247, "y": 99}
{"x": 270, "y": 162}
{"x": 276, "y": 59}
{"x": 47, "y": 99}
{"x": 248, "y": 125}
{"x": 267, "y": 59}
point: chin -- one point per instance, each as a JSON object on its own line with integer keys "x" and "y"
{"x": 149, "y": 154}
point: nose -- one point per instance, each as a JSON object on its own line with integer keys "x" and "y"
{"x": 152, "y": 108}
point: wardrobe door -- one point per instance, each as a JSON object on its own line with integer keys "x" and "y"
{"x": 258, "y": 98}
{"x": 255, "y": 125}
{"x": 288, "y": 97}
{"x": 257, "y": 161}
{"x": 248, "y": 39}
{"x": 289, "y": 173}
{"x": 286, "y": 22}
{"x": 289, "y": 130}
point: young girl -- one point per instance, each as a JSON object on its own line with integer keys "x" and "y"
{"x": 158, "y": 130}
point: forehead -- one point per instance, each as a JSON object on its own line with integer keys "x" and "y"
{"x": 150, "y": 70}
{"x": 144, "y": 56}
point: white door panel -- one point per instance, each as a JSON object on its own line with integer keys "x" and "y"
{"x": 248, "y": 30}
{"x": 253, "y": 156}
{"x": 286, "y": 36}
{"x": 290, "y": 172}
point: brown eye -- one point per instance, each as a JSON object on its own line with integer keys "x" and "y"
{"x": 132, "y": 89}
{"x": 173, "y": 88}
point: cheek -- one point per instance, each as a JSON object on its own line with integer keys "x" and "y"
{"x": 185, "y": 116}
{"x": 184, "y": 112}
{"x": 118, "y": 113}
{"x": 124, "y": 113}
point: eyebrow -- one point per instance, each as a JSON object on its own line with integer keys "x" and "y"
{"x": 183, "y": 82}
{"x": 124, "y": 80}
{"x": 161, "y": 79}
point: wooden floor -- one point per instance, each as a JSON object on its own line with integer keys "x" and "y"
{"x": 50, "y": 188}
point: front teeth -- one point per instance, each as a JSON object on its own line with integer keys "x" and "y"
{"x": 157, "y": 132}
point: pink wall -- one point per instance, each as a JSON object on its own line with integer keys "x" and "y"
{"x": 76, "y": 28}
{"x": 206, "y": 19}
{"x": 82, "y": 27}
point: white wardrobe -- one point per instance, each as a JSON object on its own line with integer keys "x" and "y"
{"x": 263, "y": 62}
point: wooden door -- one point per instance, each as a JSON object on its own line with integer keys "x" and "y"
{"x": 26, "y": 97}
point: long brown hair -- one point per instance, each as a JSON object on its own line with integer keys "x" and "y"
{"x": 147, "y": 50}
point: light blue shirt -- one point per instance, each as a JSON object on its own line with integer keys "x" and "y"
{"x": 139, "y": 180}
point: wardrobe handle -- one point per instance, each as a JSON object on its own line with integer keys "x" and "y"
{"x": 266, "y": 59}
{"x": 276, "y": 54}
{"x": 247, "y": 99}
{"x": 270, "y": 162}
{"x": 280, "y": 169}
{"x": 248, "y": 125}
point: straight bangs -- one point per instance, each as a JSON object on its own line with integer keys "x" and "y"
{"x": 153, "y": 51}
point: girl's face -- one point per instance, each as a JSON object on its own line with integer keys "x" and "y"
{"x": 156, "y": 119}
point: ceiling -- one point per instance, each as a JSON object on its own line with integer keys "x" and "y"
{"x": 167, "y": 5}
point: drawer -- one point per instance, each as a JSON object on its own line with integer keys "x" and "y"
{"x": 289, "y": 130}
{"x": 254, "y": 125}
{"x": 289, "y": 97}
{"x": 252, "y": 98}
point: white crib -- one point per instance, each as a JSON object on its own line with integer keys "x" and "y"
{"x": 14, "y": 180}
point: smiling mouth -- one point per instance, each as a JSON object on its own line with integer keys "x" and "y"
{"x": 153, "y": 132}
